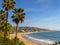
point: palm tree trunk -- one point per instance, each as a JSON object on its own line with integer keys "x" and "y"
{"x": 16, "y": 30}
{"x": 16, "y": 33}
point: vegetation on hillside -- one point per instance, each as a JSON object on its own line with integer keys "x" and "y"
{"x": 30, "y": 29}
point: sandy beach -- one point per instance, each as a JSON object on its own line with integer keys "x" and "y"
{"x": 20, "y": 36}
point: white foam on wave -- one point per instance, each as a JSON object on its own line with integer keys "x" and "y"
{"x": 48, "y": 41}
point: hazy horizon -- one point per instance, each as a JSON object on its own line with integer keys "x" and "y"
{"x": 39, "y": 13}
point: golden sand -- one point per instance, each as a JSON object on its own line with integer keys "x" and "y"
{"x": 20, "y": 36}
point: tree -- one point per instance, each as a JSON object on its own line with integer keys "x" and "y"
{"x": 56, "y": 43}
{"x": 7, "y": 5}
{"x": 3, "y": 27}
{"x": 3, "y": 21}
{"x": 17, "y": 17}
{"x": 2, "y": 15}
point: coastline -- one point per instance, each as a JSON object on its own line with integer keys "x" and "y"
{"x": 26, "y": 41}
{"x": 31, "y": 41}
{"x": 39, "y": 41}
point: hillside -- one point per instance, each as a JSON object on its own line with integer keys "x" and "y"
{"x": 30, "y": 29}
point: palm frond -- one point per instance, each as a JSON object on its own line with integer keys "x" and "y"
{"x": 8, "y": 4}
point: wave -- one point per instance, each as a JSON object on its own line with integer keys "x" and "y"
{"x": 42, "y": 41}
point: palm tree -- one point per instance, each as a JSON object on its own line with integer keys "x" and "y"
{"x": 7, "y": 5}
{"x": 17, "y": 17}
{"x": 2, "y": 20}
{"x": 3, "y": 23}
{"x": 2, "y": 15}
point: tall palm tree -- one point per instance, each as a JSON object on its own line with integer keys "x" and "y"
{"x": 7, "y": 5}
{"x": 3, "y": 23}
{"x": 17, "y": 17}
{"x": 2, "y": 19}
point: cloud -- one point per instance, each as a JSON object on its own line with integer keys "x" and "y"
{"x": 47, "y": 23}
{"x": 43, "y": 6}
{"x": 42, "y": 9}
{"x": 43, "y": 1}
{"x": 29, "y": 9}
{"x": 38, "y": 1}
{"x": 52, "y": 22}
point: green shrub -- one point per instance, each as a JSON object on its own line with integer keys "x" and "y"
{"x": 10, "y": 41}
{"x": 21, "y": 43}
{"x": 56, "y": 43}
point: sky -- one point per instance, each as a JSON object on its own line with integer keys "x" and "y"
{"x": 39, "y": 13}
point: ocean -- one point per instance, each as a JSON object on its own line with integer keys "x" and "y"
{"x": 48, "y": 37}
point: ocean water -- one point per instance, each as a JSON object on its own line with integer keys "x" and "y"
{"x": 53, "y": 36}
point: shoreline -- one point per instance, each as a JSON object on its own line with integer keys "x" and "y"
{"x": 39, "y": 41}
{"x": 30, "y": 40}
{"x": 26, "y": 41}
